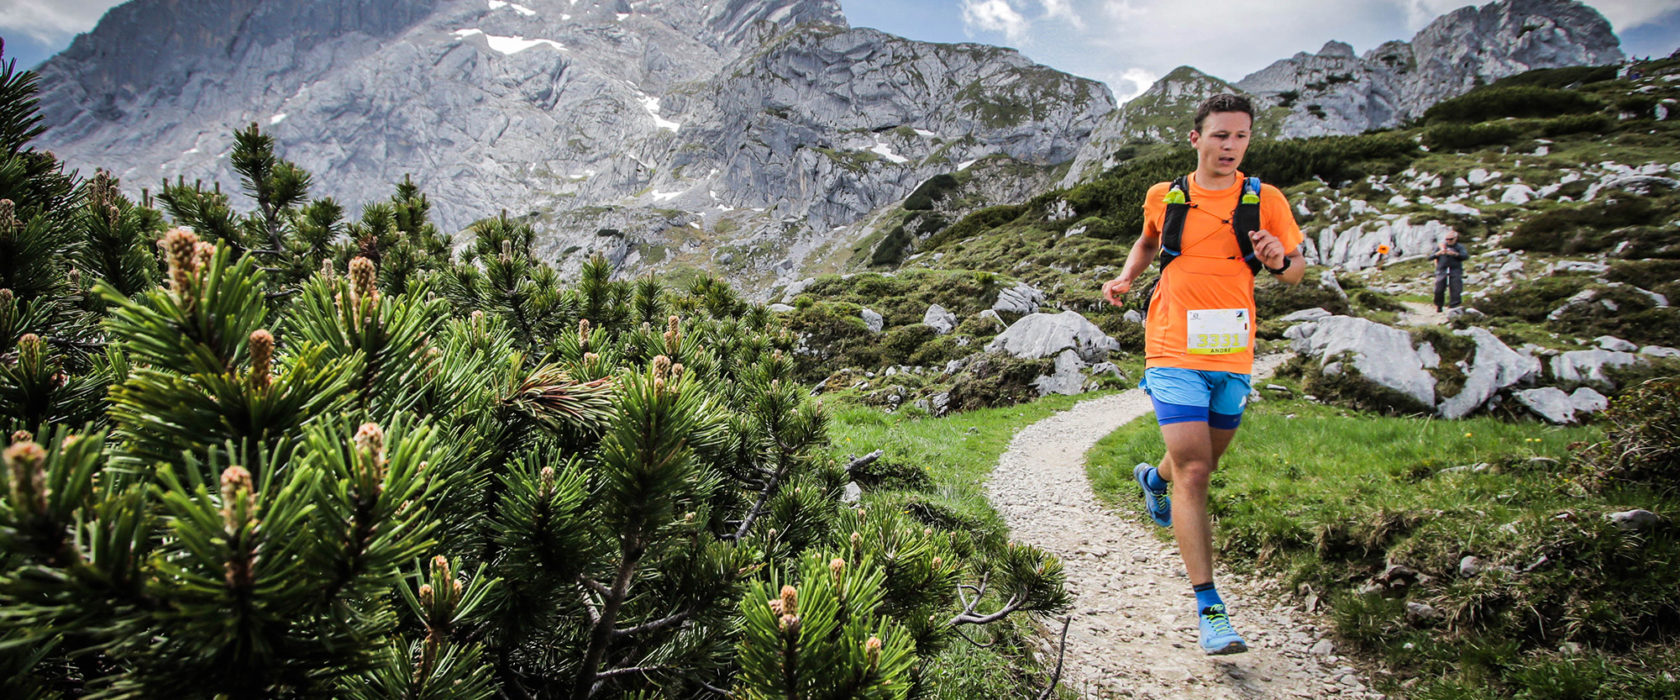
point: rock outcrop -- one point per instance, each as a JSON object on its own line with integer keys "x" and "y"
{"x": 1335, "y": 91}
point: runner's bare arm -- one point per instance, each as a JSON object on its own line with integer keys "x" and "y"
{"x": 1143, "y": 253}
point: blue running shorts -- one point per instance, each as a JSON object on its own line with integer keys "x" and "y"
{"x": 1206, "y": 396}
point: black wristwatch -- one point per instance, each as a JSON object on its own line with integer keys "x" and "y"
{"x": 1287, "y": 261}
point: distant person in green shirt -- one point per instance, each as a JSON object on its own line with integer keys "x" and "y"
{"x": 1449, "y": 270}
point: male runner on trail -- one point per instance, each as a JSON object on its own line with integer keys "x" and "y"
{"x": 1200, "y": 336}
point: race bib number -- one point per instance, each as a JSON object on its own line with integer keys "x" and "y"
{"x": 1218, "y": 331}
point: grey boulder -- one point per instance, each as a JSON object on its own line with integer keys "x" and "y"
{"x": 1379, "y": 353}
{"x": 1494, "y": 368}
{"x": 1047, "y": 335}
{"x": 940, "y": 320}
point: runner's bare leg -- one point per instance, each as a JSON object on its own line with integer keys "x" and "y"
{"x": 1193, "y": 452}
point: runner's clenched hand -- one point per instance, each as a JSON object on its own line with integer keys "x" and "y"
{"x": 1115, "y": 290}
{"x": 1267, "y": 248}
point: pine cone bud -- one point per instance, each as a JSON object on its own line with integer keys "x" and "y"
{"x": 370, "y": 442}
{"x": 583, "y": 334}
{"x": 178, "y": 247}
{"x": 647, "y": 327}
{"x": 545, "y": 479}
{"x": 236, "y": 495}
{"x": 75, "y": 275}
{"x": 8, "y": 216}
{"x": 363, "y": 281}
{"x": 857, "y": 540}
{"x": 790, "y": 600}
{"x": 837, "y": 566}
{"x": 31, "y": 352}
{"x": 26, "y": 463}
{"x": 671, "y": 325}
{"x": 777, "y": 355}
{"x": 440, "y": 563}
{"x": 862, "y": 513}
{"x": 203, "y": 252}
{"x": 927, "y": 532}
{"x": 677, "y": 371}
{"x": 5, "y": 294}
{"x": 22, "y": 436}
{"x": 872, "y": 651}
{"x": 507, "y": 251}
{"x": 262, "y": 357}
{"x": 938, "y": 562}
{"x": 688, "y": 518}
{"x": 327, "y": 271}
{"x": 776, "y": 607}
{"x": 590, "y": 358}
{"x": 661, "y": 367}
{"x": 771, "y": 534}
{"x": 790, "y": 624}
{"x": 425, "y": 595}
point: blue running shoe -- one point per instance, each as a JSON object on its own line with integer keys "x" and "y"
{"x": 1158, "y": 504}
{"x": 1218, "y": 637}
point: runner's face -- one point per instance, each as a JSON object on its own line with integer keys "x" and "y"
{"x": 1221, "y": 142}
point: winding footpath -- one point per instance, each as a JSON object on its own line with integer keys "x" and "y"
{"x": 1133, "y": 633}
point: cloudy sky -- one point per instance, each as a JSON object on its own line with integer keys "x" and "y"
{"x": 1125, "y": 43}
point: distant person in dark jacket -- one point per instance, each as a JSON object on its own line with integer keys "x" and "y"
{"x": 1449, "y": 270}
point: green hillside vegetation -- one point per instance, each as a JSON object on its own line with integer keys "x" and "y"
{"x": 1372, "y": 518}
{"x": 1579, "y": 115}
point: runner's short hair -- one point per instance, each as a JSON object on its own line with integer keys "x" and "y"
{"x": 1224, "y": 102}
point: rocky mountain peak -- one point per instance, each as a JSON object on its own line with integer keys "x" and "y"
{"x": 697, "y": 131}
{"x": 1335, "y": 91}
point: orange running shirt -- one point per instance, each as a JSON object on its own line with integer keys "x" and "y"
{"x": 1210, "y": 274}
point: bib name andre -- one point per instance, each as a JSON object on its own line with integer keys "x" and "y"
{"x": 1217, "y": 331}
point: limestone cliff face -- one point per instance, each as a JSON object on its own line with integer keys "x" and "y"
{"x": 1335, "y": 91}
{"x": 685, "y": 125}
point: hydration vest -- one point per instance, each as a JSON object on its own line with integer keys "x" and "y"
{"x": 1245, "y": 220}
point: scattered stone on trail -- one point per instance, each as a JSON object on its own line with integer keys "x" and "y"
{"x": 1464, "y": 312}
{"x": 1659, "y": 351}
{"x": 1470, "y": 566}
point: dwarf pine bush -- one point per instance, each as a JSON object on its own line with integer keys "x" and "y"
{"x": 276, "y": 453}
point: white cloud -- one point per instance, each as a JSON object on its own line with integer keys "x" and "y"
{"x": 994, "y": 16}
{"x": 52, "y": 21}
{"x": 1130, "y": 83}
{"x": 1064, "y": 10}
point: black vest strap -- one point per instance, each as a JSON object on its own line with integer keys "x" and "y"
{"x": 1245, "y": 220}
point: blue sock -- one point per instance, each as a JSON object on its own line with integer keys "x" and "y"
{"x": 1156, "y": 483}
{"x": 1206, "y": 596}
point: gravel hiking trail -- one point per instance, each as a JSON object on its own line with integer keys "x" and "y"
{"x": 1133, "y": 633}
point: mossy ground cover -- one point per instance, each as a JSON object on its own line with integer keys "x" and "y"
{"x": 936, "y": 469}
{"x": 1568, "y": 606}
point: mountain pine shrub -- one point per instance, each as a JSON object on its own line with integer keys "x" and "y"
{"x": 275, "y": 453}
